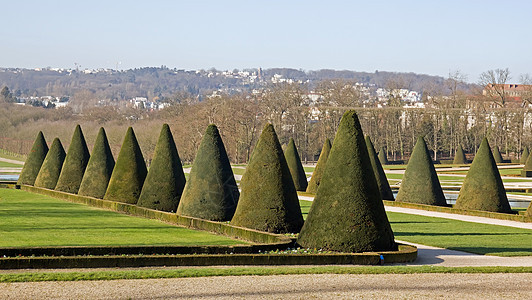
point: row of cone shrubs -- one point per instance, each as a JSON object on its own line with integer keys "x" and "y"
{"x": 347, "y": 214}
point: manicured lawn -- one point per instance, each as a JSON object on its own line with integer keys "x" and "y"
{"x": 28, "y": 220}
{"x": 456, "y": 235}
{"x": 4, "y": 164}
{"x": 147, "y": 273}
{"x": 238, "y": 171}
{"x": 309, "y": 169}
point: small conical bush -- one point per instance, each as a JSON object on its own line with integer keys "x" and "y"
{"x": 211, "y": 192}
{"x": 528, "y": 165}
{"x": 420, "y": 182}
{"x": 51, "y": 166}
{"x": 268, "y": 199}
{"x": 99, "y": 169}
{"x": 497, "y": 155}
{"x": 347, "y": 213}
{"x": 315, "y": 180}
{"x": 75, "y": 163}
{"x": 528, "y": 212}
{"x": 483, "y": 188}
{"x": 524, "y": 156}
{"x": 34, "y": 161}
{"x": 459, "y": 156}
{"x": 380, "y": 176}
{"x": 129, "y": 172}
{"x": 296, "y": 168}
{"x": 165, "y": 181}
{"x": 383, "y": 158}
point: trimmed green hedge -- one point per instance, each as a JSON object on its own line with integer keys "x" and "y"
{"x": 468, "y": 212}
{"x": 33, "y": 163}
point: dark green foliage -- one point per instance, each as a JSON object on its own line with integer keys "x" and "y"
{"x": 524, "y": 156}
{"x": 497, "y": 155}
{"x": 51, "y": 166}
{"x": 383, "y": 158}
{"x": 295, "y": 166}
{"x": 211, "y": 192}
{"x": 165, "y": 180}
{"x": 34, "y": 161}
{"x": 347, "y": 214}
{"x": 380, "y": 176}
{"x": 528, "y": 163}
{"x": 315, "y": 181}
{"x": 99, "y": 168}
{"x": 268, "y": 201}
{"x": 420, "y": 182}
{"x": 459, "y": 157}
{"x": 482, "y": 188}
{"x": 129, "y": 172}
{"x": 75, "y": 163}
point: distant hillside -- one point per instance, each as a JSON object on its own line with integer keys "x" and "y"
{"x": 163, "y": 82}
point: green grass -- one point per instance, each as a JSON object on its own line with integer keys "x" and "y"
{"x": 238, "y": 171}
{"x": 463, "y": 236}
{"x": 309, "y": 169}
{"x": 29, "y": 220}
{"x": 11, "y": 155}
{"x": 241, "y": 271}
{"x": 4, "y": 164}
{"x": 456, "y": 235}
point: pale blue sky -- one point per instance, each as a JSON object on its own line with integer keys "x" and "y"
{"x": 431, "y": 37}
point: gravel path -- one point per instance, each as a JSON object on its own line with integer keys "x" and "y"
{"x": 345, "y": 286}
{"x": 12, "y": 161}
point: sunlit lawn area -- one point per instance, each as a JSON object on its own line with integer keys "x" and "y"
{"x": 457, "y": 235}
{"x": 4, "y": 164}
{"x": 28, "y": 219}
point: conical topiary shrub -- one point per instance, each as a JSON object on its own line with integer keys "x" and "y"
{"x": 34, "y": 161}
{"x": 315, "y": 180}
{"x": 51, "y": 166}
{"x": 347, "y": 214}
{"x": 524, "y": 156}
{"x": 380, "y": 176}
{"x": 459, "y": 156}
{"x": 383, "y": 158}
{"x": 211, "y": 192}
{"x": 99, "y": 168}
{"x": 129, "y": 172}
{"x": 528, "y": 212}
{"x": 165, "y": 181}
{"x": 497, "y": 155}
{"x": 268, "y": 199}
{"x": 295, "y": 166}
{"x": 482, "y": 188}
{"x": 420, "y": 182}
{"x": 75, "y": 163}
{"x": 527, "y": 169}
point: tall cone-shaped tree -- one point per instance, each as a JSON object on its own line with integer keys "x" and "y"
{"x": 459, "y": 156}
{"x": 34, "y": 161}
{"x": 211, "y": 192}
{"x": 295, "y": 166}
{"x": 51, "y": 166}
{"x": 129, "y": 172}
{"x": 165, "y": 181}
{"x": 315, "y": 180}
{"x": 75, "y": 163}
{"x": 482, "y": 188}
{"x": 347, "y": 213}
{"x": 99, "y": 168}
{"x": 524, "y": 156}
{"x": 497, "y": 155}
{"x": 528, "y": 212}
{"x": 268, "y": 199}
{"x": 527, "y": 169}
{"x": 380, "y": 176}
{"x": 383, "y": 158}
{"x": 420, "y": 182}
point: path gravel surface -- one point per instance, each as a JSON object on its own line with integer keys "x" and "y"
{"x": 325, "y": 286}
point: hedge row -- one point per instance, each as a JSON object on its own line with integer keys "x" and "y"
{"x": 476, "y": 213}
{"x": 405, "y": 254}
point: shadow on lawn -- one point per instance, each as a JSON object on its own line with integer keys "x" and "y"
{"x": 402, "y": 233}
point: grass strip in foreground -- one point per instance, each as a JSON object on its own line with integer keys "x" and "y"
{"x": 243, "y": 271}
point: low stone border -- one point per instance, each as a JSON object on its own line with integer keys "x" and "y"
{"x": 476, "y": 213}
{"x": 406, "y": 253}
